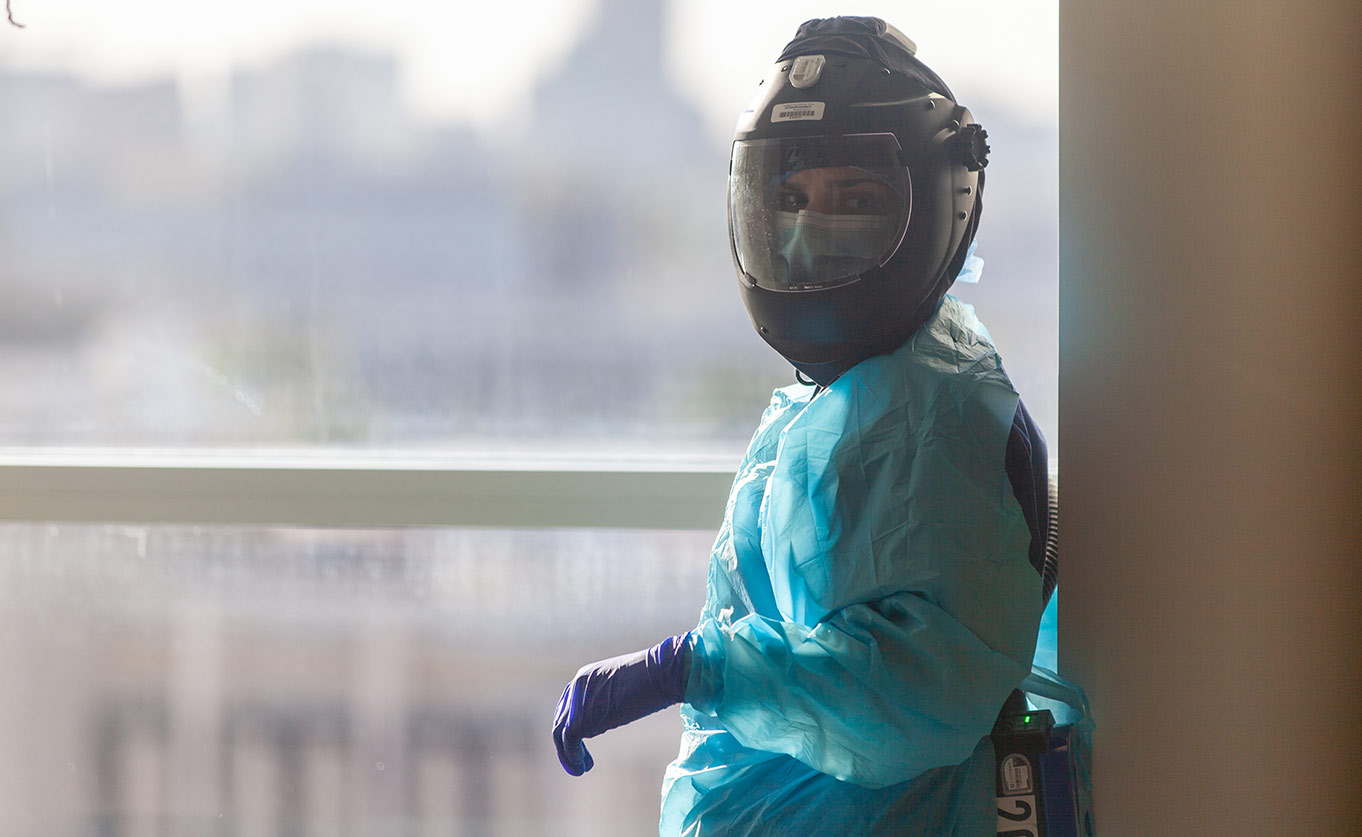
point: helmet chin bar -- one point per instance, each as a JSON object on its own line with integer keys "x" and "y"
{"x": 822, "y": 374}
{"x": 839, "y": 352}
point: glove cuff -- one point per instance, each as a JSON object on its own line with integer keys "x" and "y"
{"x": 704, "y": 679}
{"x": 668, "y": 665}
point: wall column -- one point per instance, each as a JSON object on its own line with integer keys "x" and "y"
{"x": 1210, "y": 392}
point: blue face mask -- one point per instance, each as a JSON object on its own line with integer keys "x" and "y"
{"x": 820, "y": 248}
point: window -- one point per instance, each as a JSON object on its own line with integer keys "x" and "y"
{"x": 324, "y": 240}
{"x": 273, "y": 680}
{"x": 336, "y": 337}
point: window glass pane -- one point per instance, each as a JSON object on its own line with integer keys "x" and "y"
{"x": 302, "y": 223}
{"x": 325, "y": 682}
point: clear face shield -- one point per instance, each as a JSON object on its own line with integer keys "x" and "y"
{"x": 816, "y": 212}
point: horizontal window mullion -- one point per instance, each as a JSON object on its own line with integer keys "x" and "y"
{"x": 358, "y": 494}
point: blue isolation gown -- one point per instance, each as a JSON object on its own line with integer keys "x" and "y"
{"x": 870, "y": 605}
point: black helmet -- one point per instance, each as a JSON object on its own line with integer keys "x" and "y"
{"x": 854, "y": 193}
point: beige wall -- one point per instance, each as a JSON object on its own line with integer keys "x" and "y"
{"x": 1210, "y": 392}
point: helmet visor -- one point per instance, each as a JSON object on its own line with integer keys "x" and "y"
{"x": 815, "y": 212}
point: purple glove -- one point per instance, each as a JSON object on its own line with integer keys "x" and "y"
{"x": 616, "y": 692}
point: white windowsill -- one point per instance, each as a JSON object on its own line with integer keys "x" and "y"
{"x": 360, "y": 489}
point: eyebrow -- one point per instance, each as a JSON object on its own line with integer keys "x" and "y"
{"x": 856, "y": 181}
{"x": 838, "y": 184}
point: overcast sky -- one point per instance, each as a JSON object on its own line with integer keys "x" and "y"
{"x": 474, "y": 61}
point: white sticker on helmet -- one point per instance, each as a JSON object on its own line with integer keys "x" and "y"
{"x": 795, "y": 111}
{"x": 806, "y": 70}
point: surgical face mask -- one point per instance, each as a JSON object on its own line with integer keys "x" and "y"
{"x": 816, "y": 245}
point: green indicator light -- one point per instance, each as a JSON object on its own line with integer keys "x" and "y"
{"x": 1026, "y": 719}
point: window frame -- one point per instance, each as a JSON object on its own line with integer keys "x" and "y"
{"x": 357, "y": 490}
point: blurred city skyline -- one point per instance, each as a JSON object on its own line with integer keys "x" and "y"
{"x": 308, "y": 262}
{"x": 714, "y": 52}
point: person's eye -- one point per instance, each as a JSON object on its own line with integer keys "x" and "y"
{"x": 860, "y": 203}
{"x": 793, "y": 201}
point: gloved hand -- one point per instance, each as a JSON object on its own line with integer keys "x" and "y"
{"x": 616, "y": 692}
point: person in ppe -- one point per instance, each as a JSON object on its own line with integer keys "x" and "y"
{"x": 874, "y": 589}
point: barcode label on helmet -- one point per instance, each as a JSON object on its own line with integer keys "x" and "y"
{"x": 793, "y": 111}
